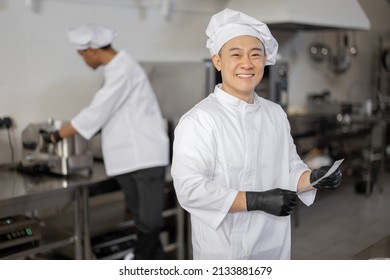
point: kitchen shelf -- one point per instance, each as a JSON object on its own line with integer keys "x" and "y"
{"x": 51, "y": 239}
{"x": 109, "y": 219}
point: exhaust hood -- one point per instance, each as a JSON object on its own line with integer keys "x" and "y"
{"x": 295, "y": 15}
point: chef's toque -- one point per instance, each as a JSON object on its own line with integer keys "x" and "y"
{"x": 228, "y": 24}
{"x": 91, "y": 36}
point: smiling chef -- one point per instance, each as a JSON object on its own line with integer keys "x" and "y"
{"x": 235, "y": 166}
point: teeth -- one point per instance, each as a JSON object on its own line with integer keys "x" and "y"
{"x": 245, "y": 76}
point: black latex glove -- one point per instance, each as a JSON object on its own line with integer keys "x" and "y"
{"x": 278, "y": 202}
{"x": 46, "y": 136}
{"x": 50, "y": 137}
{"x": 329, "y": 183}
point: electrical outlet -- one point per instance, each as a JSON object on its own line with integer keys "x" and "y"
{"x": 5, "y": 122}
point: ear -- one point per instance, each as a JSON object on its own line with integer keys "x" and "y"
{"x": 265, "y": 58}
{"x": 216, "y": 61}
{"x": 90, "y": 51}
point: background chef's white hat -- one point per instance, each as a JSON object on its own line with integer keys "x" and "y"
{"x": 228, "y": 24}
{"x": 91, "y": 36}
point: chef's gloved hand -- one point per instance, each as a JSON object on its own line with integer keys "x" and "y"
{"x": 45, "y": 135}
{"x": 51, "y": 137}
{"x": 278, "y": 202}
{"x": 328, "y": 183}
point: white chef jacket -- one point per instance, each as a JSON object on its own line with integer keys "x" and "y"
{"x": 126, "y": 110}
{"x": 224, "y": 145}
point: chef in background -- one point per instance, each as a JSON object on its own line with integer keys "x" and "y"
{"x": 235, "y": 166}
{"x": 135, "y": 144}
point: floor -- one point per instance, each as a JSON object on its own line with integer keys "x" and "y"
{"x": 342, "y": 223}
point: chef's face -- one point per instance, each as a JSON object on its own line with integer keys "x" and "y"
{"x": 90, "y": 57}
{"x": 241, "y": 62}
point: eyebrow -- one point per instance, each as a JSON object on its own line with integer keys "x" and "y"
{"x": 238, "y": 49}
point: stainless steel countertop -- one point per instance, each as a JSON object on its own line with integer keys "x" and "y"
{"x": 22, "y": 192}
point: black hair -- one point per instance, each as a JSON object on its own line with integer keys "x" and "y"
{"x": 106, "y": 47}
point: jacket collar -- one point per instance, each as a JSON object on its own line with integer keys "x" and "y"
{"x": 233, "y": 101}
{"x": 116, "y": 59}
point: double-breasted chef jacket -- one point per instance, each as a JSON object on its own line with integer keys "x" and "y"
{"x": 224, "y": 145}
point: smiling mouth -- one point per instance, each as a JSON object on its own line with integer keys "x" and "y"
{"x": 245, "y": 76}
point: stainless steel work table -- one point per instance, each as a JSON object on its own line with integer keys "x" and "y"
{"x": 23, "y": 193}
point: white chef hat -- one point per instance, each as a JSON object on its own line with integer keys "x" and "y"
{"x": 91, "y": 36}
{"x": 228, "y": 24}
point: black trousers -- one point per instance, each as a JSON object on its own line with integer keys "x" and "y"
{"x": 143, "y": 190}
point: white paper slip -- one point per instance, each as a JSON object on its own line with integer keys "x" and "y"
{"x": 333, "y": 168}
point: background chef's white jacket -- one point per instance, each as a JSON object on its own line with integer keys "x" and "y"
{"x": 133, "y": 131}
{"x": 224, "y": 145}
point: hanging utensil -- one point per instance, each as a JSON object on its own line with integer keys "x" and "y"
{"x": 342, "y": 60}
{"x": 353, "y": 49}
{"x": 386, "y": 59}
